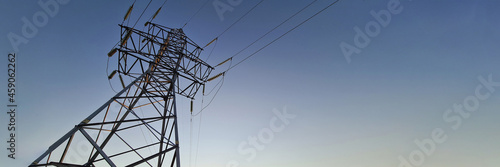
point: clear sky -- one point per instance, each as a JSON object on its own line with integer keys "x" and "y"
{"x": 418, "y": 89}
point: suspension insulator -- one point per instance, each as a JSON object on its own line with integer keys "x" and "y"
{"x": 158, "y": 11}
{"x": 127, "y": 36}
{"x": 203, "y": 89}
{"x": 112, "y": 52}
{"x": 128, "y": 13}
{"x": 225, "y": 61}
{"x": 191, "y": 105}
{"x": 214, "y": 77}
{"x": 112, "y": 74}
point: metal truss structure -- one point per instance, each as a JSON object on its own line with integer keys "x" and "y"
{"x": 138, "y": 126}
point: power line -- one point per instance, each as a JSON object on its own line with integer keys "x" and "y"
{"x": 197, "y": 143}
{"x": 265, "y": 46}
{"x": 255, "y": 6}
{"x": 142, "y": 13}
{"x": 276, "y": 39}
{"x": 296, "y": 13}
{"x": 164, "y": 2}
{"x": 196, "y": 13}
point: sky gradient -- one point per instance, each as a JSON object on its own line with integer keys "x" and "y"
{"x": 369, "y": 111}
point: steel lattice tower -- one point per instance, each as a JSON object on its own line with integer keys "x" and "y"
{"x": 162, "y": 63}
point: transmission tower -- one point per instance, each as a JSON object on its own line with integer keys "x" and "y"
{"x": 138, "y": 126}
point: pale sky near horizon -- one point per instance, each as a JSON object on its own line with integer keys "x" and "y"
{"x": 401, "y": 89}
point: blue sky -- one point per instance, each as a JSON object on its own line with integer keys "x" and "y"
{"x": 366, "y": 112}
